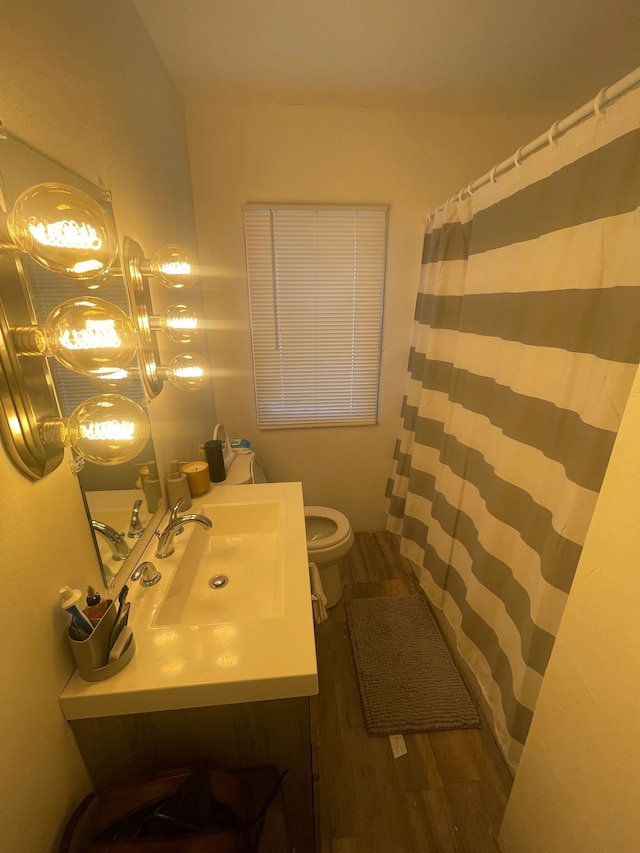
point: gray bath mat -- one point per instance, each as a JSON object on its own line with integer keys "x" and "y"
{"x": 407, "y": 678}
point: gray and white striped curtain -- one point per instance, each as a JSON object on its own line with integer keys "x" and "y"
{"x": 526, "y": 342}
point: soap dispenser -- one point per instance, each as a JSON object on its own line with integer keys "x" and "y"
{"x": 177, "y": 486}
{"x": 152, "y": 488}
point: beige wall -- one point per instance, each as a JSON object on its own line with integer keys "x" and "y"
{"x": 82, "y": 82}
{"x": 409, "y": 160}
{"x": 576, "y": 789}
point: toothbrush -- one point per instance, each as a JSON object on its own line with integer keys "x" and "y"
{"x": 121, "y": 621}
{"x": 122, "y": 597}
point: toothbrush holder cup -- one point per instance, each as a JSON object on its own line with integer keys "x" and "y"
{"x": 92, "y": 655}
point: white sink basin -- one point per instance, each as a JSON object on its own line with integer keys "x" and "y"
{"x": 233, "y": 572}
{"x": 249, "y": 641}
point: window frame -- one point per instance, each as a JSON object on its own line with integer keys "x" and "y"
{"x": 366, "y": 294}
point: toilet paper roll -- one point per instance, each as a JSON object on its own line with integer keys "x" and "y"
{"x": 197, "y": 477}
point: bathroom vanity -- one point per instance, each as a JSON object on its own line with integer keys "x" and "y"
{"x": 222, "y": 673}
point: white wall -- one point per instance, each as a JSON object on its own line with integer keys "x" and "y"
{"x": 81, "y": 81}
{"x": 409, "y": 160}
{"x": 577, "y": 786}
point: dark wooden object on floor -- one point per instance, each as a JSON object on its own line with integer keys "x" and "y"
{"x": 446, "y": 795}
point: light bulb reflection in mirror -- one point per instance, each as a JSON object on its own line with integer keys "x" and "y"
{"x": 65, "y": 231}
{"x": 115, "y": 381}
{"x": 88, "y": 335}
{"x": 174, "y": 266}
{"x": 188, "y": 371}
{"x": 107, "y": 429}
{"x": 179, "y": 323}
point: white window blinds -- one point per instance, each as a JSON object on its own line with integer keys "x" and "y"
{"x": 316, "y": 283}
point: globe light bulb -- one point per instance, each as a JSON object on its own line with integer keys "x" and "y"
{"x": 107, "y": 429}
{"x": 179, "y": 323}
{"x": 175, "y": 267}
{"x": 188, "y": 371}
{"x": 92, "y": 336}
{"x": 89, "y": 336}
{"x": 65, "y": 231}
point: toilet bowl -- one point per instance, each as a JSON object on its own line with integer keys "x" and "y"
{"x": 329, "y": 539}
{"x": 329, "y": 533}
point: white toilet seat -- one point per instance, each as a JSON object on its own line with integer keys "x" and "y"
{"x": 341, "y": 522}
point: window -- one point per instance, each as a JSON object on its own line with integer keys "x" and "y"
{"x": 316, "y": 282}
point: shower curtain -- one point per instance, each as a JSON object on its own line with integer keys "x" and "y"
{"x": 526, "y": 342}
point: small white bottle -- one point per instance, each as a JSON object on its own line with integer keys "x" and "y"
{"x": 152, "y": 490}
{"x": 177, "y": 486}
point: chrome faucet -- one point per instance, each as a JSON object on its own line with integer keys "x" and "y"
{"x": 165, "y": 545}
{"x": 135, "y": 525}
{"x": 119, "y": 547}
{"x": 175, "y": 509}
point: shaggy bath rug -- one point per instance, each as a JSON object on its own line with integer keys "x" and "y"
{"x": 407, "y": 678}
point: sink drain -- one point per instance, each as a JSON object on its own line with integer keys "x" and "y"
{"x": 218, "y": 581}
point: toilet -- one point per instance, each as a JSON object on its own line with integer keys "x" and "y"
{"x": 329, "y": 539}
{"x": 329, "y": 533}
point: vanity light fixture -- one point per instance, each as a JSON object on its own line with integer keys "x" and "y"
{"x": 68, "y": 232}
{"x": 187, "y": 371}
{"x": 65, "y": 231}
{"x": 88, "y": 335}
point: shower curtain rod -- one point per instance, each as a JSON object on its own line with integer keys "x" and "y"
{"x": 604, "y": 97}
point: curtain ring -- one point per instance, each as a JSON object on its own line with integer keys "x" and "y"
{"x": 492, "y": 175}
{"x": 597, "y": 103}
{"x": 460, "y": 194}
{"x": 552, "y": 135}
{"x": 469, "y": 190}
{"x": 516, "y": 157}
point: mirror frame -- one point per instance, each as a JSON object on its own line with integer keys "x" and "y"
{"x": 140, "y": 302}
{"x": 21, "y": 410}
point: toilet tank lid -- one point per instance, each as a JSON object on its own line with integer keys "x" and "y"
{"x": 239, "y": 472}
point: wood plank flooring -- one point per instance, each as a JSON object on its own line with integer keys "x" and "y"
{"x": 446, "y": 795}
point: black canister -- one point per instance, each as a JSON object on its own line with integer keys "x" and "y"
{"x": 215, "y": 460}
